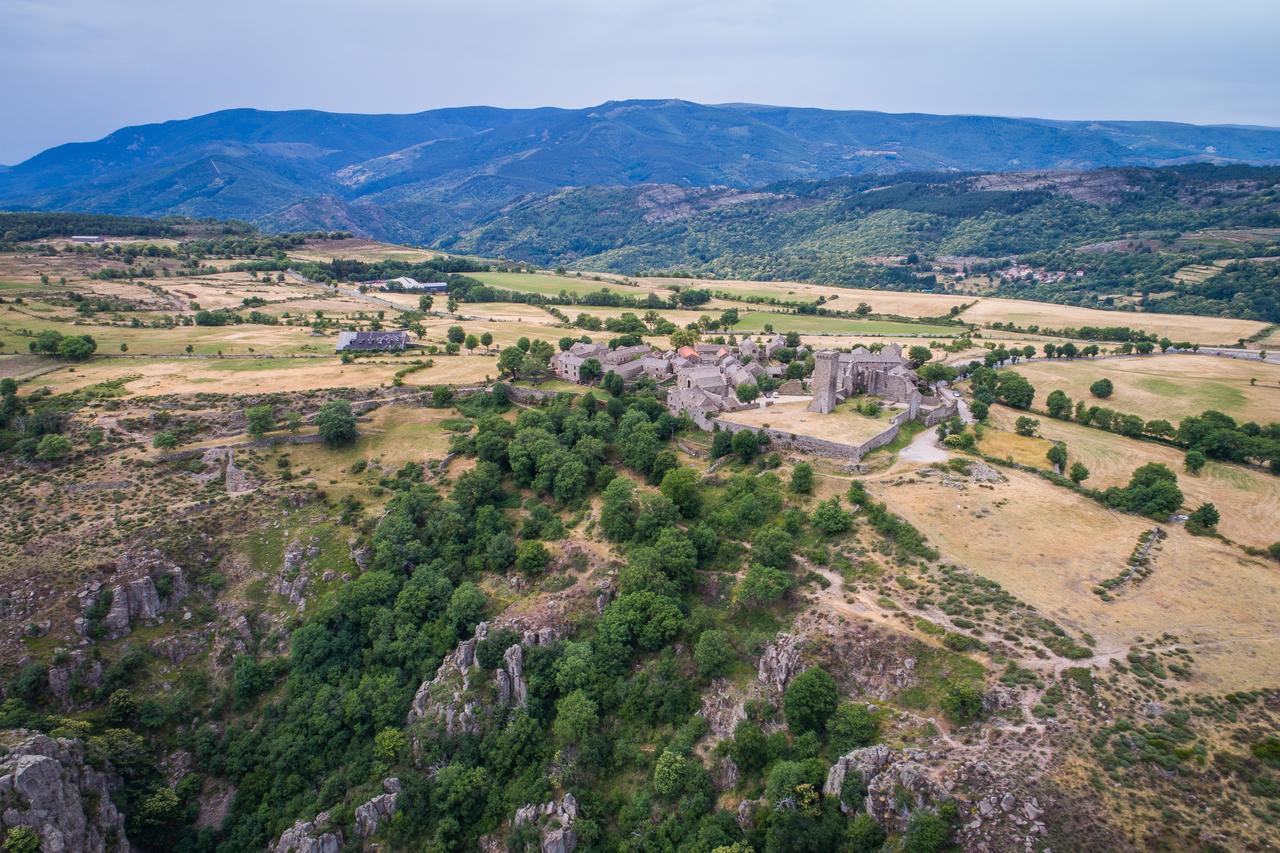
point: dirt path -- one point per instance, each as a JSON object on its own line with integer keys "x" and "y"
{"x": 923, "y": 448}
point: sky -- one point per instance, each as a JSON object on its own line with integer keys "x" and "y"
{"x": 75, "y": 70}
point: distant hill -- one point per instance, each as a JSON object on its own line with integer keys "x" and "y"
{"x": 430, "y": 175}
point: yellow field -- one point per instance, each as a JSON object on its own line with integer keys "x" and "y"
{"x": 1248, "y": 500}
{"x": 1166, "y": 386}
{"x": 1203, "y": 330}
{"x": 1049, "y": 547}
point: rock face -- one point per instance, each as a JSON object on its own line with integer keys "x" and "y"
{"x": 450, "y": 696}
{"x": 309, "y": 836}
{"x": 135, "y": 597}
{"x": 370, "y": 815}
{"x": 293, "y": 580}
{"x": 780, "y": 661}
{"x": 442, "y": 697}
{"x": 45, "y": 785}
{"x": 556, "y": 823}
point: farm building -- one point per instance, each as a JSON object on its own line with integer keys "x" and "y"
{"x": 405, "y": 283}
{"x": 372, "y": 341}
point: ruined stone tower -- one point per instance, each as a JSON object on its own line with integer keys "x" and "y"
{"x": 826, "y": 368}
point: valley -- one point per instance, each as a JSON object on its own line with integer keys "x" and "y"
{"x": 399, "y": 596}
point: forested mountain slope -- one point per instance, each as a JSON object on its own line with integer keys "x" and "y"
{"x": 421, "y": 176}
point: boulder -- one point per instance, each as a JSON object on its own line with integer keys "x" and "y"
{"x": 46, "y": 785}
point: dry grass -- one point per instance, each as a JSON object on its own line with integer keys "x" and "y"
{"x": 362, "y": 250}
{"x": 1049, "y": 547}
{"x": 1204, "y": 330}
{"x": 1166, "y": 386}
{"x": 843, "y": 425}
{"x": 904, "y": 303}
{"x": 1248, "y": 500}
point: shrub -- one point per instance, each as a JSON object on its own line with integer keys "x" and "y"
{"x": 1152, "y": 491}
{"x": 762, "y": 585}
{"x": 1204, "y": 516}
{"x": 164, "y": 441}
{"x": 927, "y": 832}
{"x": 962, "y": 703}
{"x": 852, "y": 726}
{"x": 336, "y": 423}
{"x": 810, "y": 701}
{"x": 532, "y": 558}
{"x": 1102, "y": 389}
{"x": 53, "y": 447}
{"x": 713, "y": 653}
{"x": 802, "y": 478}
{"x": 830, "y": 519}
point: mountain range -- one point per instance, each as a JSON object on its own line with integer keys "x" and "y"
{"x": 432, "y": 176}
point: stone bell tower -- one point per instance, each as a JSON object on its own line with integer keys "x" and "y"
{"x": 823, "y": 381}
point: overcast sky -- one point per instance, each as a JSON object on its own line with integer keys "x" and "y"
{"x": 73, "y": 70}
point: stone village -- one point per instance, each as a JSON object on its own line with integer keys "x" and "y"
{"x": 702, "y": 381}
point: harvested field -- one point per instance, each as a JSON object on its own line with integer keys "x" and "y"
{"x": 843, "y": 425}
{"x": 206, "y": 340}
{"x": 1203, "y": 330}
{"x": 1050, "y": 547}
{"x": 152, "y": 377}
{"x": 361, "y": 249}
{"x": 1166, "y": 386}
{"x": 1249, "y": 500}
{"x": 904, "y": 303}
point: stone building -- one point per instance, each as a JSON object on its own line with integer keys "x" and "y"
{"x": 840, "y": 375}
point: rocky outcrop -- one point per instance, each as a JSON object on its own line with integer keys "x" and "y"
{"x": 309, "y": 836}
{"x": 512, "y": 674}
{"x": 723, "y": 707}
{"x": 442, "y": 697}
{"x": 371, "y": 815}
{"x": 451, "y": 696}
{"x": 866, "y": 763}
{"x": 555, "y": 823}
{"x": 780, "y": 661}
{"x": 134, "y": 597}
{"x": 45, "y": 785}
{"x": 1003, "y": 814}
{"x": 898, "y": 790}
{"x": 78, "y": 670}
{"x": 865, "y": 660}
{"x": 293, "y": 580}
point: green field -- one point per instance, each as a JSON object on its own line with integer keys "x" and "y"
{"x": 551, "y": 285}
{"x": 808, "y": 324}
